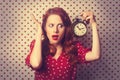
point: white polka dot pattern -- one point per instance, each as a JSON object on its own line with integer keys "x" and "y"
{"x": 17, "y": 30}
{"x": 58, "y": 69}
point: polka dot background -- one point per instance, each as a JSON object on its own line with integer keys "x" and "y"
{"x": 17, "y": 31}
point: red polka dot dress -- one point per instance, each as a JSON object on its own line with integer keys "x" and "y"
{"x": 58, "y": 69}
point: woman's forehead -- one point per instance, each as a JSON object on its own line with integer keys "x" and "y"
{"x": 54, "y": 18}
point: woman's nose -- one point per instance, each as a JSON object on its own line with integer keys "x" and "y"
{"x": 56, "y": 29}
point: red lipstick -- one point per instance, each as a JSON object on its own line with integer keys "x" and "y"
{"x": 55, "y": 37}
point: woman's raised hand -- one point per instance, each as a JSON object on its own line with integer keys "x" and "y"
{"x": 88, "y": 16}
{"x": 38, "y": 24}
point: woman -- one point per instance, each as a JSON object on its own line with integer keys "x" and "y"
{"x": 56, "y": 56}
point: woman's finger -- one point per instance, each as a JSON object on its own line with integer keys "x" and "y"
{"x": 81, "y": 14}
{"x": 34, "y": 19}
{"x": 38, "y": 24}
{"x": 87, "y": 18}
{"x": 84, "y": 15}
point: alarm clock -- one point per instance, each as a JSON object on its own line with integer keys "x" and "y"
{"x": 79, "y": 27}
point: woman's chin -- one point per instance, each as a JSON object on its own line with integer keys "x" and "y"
{"x": 54, "y": 43}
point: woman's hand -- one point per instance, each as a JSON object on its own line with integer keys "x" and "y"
{"x": 38, "y": 24}
{"x": 88, "y": 16}
{"x": 36, "y": 52}
{"x": 94, "y": 54}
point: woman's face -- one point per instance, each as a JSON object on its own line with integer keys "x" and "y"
{"x": 55, "y": 29}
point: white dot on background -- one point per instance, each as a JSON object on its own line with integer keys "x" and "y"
{"x": 17, "y": 31}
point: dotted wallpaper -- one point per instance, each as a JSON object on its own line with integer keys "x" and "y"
{"x": 17, "y": 30}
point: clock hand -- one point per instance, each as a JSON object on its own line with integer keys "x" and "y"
{"x": 78, "y": 28}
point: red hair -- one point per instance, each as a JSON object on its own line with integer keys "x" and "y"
{"x": 67, "y": 41}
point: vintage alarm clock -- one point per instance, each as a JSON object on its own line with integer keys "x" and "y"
{"x": 79, "y": 27}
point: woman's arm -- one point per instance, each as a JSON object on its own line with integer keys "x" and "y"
{"x": 94, "y": 54}
{"x": 36, "y": 54}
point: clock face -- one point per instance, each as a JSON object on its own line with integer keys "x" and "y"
{"x": 80, "y": 29}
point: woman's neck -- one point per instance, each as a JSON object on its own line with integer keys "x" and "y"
{"x": 58, "y": 51}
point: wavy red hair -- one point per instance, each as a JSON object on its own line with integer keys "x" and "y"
{"x": 67, "y": 41}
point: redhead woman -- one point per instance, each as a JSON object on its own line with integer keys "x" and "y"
{"x": 55, "y": 57}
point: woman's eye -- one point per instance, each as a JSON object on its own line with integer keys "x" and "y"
{"x": 51, "y": 25}
{"x": 60, "y": 25}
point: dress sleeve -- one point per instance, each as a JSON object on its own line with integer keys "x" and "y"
{"x": 81, "y": 52}
{"x": 27, "y": 60}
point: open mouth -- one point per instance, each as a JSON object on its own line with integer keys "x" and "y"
{"x": 55, "y": 37}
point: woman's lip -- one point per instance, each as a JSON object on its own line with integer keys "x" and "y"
{"x": 55, "y": 37}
